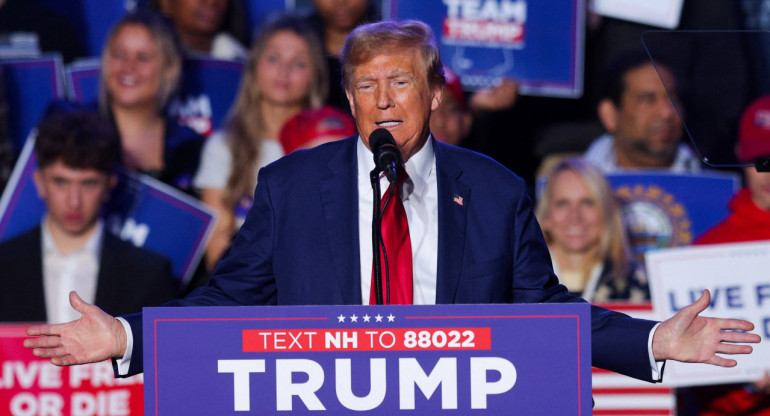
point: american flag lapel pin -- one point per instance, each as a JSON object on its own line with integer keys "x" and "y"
{"x": 458, "y": 199}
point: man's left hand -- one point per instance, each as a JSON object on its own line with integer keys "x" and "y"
{"x": 690, "y": 338}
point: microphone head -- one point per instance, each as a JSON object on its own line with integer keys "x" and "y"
{"x": 387, "y": 157}
{"x": 380, "y": 137}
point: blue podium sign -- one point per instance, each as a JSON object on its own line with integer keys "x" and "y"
{"x": 538, "y": 43}
{"x": 530, "y": 359}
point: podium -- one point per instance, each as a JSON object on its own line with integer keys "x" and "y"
{"x": 528, "y": 359}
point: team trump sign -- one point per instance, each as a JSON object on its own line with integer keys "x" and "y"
{"x": 342, "y": 360}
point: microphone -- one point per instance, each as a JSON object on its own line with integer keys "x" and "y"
{"x": 386, "y": 155}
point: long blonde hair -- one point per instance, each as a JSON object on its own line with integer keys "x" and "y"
{"x": 245, "y": 127}
{"x": 613, "y": 242}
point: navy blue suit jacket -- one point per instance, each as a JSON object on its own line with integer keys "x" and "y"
{"x": 299, "y": 246}
{"x": 129, "y": 277}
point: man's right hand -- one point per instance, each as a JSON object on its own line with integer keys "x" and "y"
{"x": 95, "y": 337}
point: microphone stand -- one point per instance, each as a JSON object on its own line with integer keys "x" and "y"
{"x": 374, "y": 176}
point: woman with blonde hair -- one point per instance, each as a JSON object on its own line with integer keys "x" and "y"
{"x": 583, "y": 228}
{"x": 141, "y": 67}
{"x": 283, "y": 75}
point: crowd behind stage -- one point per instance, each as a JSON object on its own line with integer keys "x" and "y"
{"x": 290, "y": 98}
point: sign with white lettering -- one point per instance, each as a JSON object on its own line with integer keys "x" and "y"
{"x": 537, "y": 43}
{"x": 737, "y": 277}
{"x": 383, "y": 360}
{"x": 661, "y": 13}
{"x": 31, "y": 386}
{"x": 208, "y": 89}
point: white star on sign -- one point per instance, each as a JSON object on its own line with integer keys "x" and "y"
{"x": 353, "y": 318}
{"x": 391, "y": 318}
{"x": 366, "y": 318}
{"x": 341, "y": 318}
{"x": 378, "y": 318}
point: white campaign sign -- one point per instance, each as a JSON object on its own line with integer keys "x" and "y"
{"x": 738, "y": 277}
{"x": 661, "y": 13}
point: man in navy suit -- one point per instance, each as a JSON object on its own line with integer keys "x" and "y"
{"x": 473, "y": 236}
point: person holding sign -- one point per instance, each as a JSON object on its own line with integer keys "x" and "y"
{"x": 77, "y": 153}
{"x": 465, "y": 224}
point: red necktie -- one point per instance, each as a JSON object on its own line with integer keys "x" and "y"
{"x": 395, "y": 237}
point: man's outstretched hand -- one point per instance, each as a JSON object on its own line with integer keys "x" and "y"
{"x": 95, "y": 337}
{"x": 690, "y": 338}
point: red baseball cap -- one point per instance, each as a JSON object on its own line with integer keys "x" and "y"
{"x": 315, "y": 126}
{"x": 754, "y": 131}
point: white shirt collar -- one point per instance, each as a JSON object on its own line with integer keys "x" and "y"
{"x": 601, "y": 153}
{"x": 418, "y": 167}
{"x": 93, "y": 244}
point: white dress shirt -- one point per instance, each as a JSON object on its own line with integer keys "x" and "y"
{"x": 420, "y": 197}
{"x": 76, "y": 271}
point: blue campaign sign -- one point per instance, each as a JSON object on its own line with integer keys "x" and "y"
{"x": 30, "y": 84}
{"x": 160, "y": 218}
{"x": 83, "y": 81}
{"x": 538, "y": 43}
{"x": 98, "y": 18}
{"x": 383, "y": 360}
{"x": 208, "y": 90}
{"x": 20, "y": 192}
{"x": 669, "y": 210}
{"x": 141, "y": 209}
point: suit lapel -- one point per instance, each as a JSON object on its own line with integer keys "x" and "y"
{"x": 453, "y": 205}
{"x": 30, "y": 281}
{"x": 339, "y": 196}
{"x": 109, "y": 276}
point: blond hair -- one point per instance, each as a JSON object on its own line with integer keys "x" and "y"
{"x": 245, "y": 127}
{"x": 613, "y": 242}
{"x": 165, "y": 39}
